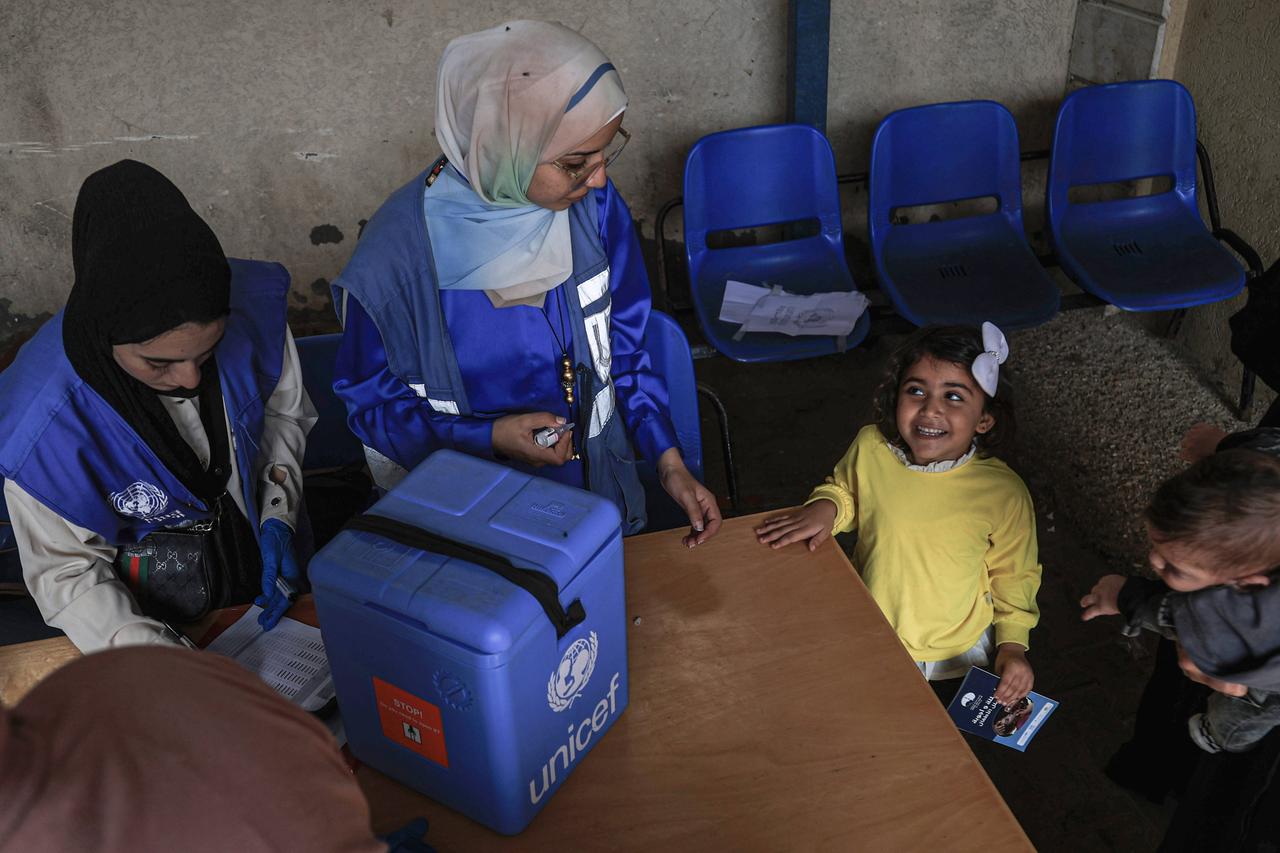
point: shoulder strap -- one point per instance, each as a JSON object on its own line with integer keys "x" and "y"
{"x": 538, "y": 584}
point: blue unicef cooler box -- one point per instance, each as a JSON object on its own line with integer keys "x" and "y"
{"x": 481, "y": 693}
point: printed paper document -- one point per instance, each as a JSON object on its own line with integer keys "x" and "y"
{"x": 290, "y": 657}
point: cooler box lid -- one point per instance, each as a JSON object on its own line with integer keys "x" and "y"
{"x": 537, "y": 523}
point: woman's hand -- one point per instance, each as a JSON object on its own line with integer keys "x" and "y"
{"x": 812, "y": 522}
{"x": 1190, "y": 670}
{"x": 693, "y": 497}
{"x": 513, "y": 438}
{"x": 1015, "y": 674}
{"x": 1200, "y": 442}
{"x": 1103, "y": 599}
{"x": 278, "y": 561}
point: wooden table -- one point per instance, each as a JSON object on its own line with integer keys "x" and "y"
{"x": 772, "y": 708}
{"x": 24, "y": 665}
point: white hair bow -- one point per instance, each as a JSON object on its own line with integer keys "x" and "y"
{"x": 986, "y": 367}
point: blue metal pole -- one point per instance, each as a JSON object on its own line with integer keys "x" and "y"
{"x": 808, "y": 41}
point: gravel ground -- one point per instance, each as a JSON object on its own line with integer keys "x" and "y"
{"x": 1102, "y": 406}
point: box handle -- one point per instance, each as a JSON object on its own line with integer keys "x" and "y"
{"x": 538, "y": 584}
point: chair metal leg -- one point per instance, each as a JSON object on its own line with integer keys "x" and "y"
{"x": 1248, "y": 379}
{"x": 726, "y": 444}
{"x": 662, "y": 289}
{"x": 1247, "y": 383}
{"x": 1210, "y": 187}
{"x": 1175, "y": 323}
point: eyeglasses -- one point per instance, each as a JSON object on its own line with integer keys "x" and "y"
{"x": 579, "y": 173}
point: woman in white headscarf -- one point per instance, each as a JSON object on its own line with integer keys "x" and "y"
{"x": 502, "y": 292}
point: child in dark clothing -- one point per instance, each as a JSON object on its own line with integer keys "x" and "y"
{"x": 1215, "y": 541}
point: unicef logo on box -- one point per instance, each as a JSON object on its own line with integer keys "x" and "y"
{"x": 570, "y": 678}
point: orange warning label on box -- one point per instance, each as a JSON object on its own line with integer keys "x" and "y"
{"x": 410, "y": 721}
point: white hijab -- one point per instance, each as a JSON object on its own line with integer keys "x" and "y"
{"x": 509, "y": 98}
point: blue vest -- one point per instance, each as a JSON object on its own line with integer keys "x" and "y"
{"x": 68, "y": 448}
{"x": 392, "y": 274}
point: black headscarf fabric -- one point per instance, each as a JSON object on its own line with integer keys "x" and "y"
{"x": 146, "y": 263}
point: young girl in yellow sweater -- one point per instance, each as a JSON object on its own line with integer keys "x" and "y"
{"x": 946, "y": 533}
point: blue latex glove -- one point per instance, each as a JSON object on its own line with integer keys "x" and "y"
{"x": 408, "y": 838}
{"x": 278, "y": 560}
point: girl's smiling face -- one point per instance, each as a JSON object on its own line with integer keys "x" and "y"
{"x": 940, "y": 410}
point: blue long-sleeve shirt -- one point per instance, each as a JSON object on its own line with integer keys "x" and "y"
{"x": 510, "y": 361}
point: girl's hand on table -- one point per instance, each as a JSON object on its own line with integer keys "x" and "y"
{"x": 812, "y": 522}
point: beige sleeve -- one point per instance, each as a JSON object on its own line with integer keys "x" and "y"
{"x": 69, "y": 573}
{"x": 289, "y": 417}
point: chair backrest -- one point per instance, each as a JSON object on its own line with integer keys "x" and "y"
{"x": 672, "y": 360}
{"x": 939, "y": 153}
{"x": 331, "y": 443}
{"x": 1121, "y": 132}
{"x": 756, "y": 176}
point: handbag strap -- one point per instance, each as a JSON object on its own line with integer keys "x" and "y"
{"x": 538, "y": 584}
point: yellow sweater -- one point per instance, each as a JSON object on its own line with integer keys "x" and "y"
{"x": 944, "y": 554}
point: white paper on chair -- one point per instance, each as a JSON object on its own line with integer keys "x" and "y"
{"x": 833, "y": 314}
{"x": 739, "y": 299}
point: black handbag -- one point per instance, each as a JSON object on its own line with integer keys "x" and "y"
{"x": 172, "y": 573}
{"x": 181, "y": 575}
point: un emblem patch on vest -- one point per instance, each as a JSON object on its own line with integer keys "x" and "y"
{"x": 140, "y": 500}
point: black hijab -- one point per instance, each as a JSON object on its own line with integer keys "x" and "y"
{"x": 146, "y": 263}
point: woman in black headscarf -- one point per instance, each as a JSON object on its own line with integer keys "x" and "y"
{"x": 151, "y": 434}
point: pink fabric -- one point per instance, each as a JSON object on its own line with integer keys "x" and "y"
{"x": 155, "y": 748}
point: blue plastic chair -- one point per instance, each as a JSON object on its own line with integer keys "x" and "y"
{"x": 330, "y": 444}
{"x": 672, "y": 360}
{"x": 962, "y": 270}
{"x": 10, "y": 565}
{"x": 753, "y": 177}
{"x": 1151, "y": 253}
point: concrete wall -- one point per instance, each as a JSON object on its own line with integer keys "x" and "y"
{"x": 890, "y": 54}
{"x": 287, "y": 123}
{"x": 1226, "y": 58}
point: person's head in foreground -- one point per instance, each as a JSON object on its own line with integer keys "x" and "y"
{"x": 151, "y": 748}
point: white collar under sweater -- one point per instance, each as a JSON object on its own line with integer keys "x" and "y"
{"x": 933, "y": 467}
